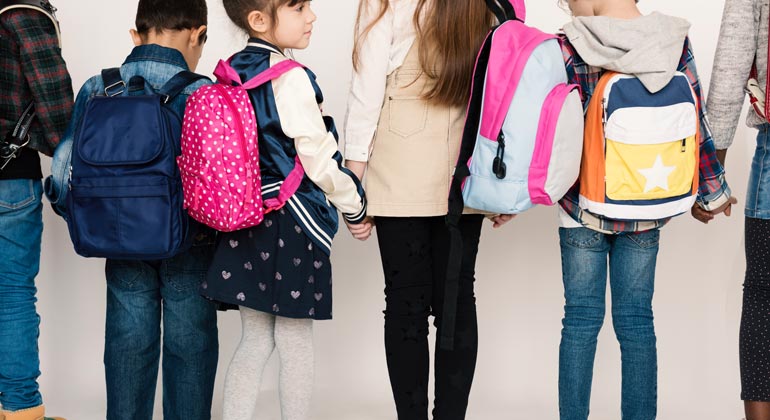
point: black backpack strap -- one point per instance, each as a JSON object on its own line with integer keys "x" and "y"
{"x": 178, "y": 83}
{"x": 495, "y": 8}
{"x": 503, "y": 10}
{"x": 113, "y": 82}
{"x": 43, "y": 6}
{"x": 456, "y": 204}
{"x": 14, "y": 141}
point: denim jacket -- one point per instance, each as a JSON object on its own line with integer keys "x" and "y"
{"x": 157, "y": 65}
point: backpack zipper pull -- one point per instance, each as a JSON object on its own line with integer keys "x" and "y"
{"x": 604, "y": 112}
{"x": 498, "y": 165}
{"x": 684, "y": 145}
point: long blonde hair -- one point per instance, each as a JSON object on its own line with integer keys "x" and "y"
{"x": 450, "y": 33}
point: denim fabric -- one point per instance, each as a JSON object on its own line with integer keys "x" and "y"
{"x": 21, "y": 228}
{"x": 585, "y": 254}
{"x": 140, "y": 296}
{"x": 157, "y": 65}
{"x": 758, "y": 193}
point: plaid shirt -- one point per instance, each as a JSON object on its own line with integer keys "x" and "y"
{"x": 32, "y": 69}
{"x": 713, "y": 190}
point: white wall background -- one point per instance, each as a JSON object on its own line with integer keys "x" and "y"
{"x": 697, "y": 304}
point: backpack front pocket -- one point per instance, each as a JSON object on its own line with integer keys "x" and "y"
{"x": 555, "y": 162}
{"x": 650, "y": 171}
{"x": 137, "y": 217}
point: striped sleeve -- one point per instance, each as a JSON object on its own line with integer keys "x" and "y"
{"x": 301, "y": 119}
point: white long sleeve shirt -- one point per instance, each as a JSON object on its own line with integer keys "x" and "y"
{"x": 381, "y": 52}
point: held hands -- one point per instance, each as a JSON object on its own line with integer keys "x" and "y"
{"x": 363, "y": 230}
{"x": 706, "y": 216}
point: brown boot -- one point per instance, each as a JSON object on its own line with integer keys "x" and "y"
{"x": 34, "y": 413}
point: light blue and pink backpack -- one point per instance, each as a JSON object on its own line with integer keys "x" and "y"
{"x": 523, "y": 135}
{"x": 220, "y": 154}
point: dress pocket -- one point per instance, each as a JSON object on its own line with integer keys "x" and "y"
{"x": 408, "y": 115}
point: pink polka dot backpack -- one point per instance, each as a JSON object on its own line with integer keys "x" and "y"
{"x": 219, "y": 163}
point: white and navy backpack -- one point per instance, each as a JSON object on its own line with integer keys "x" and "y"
{"x": 642, "y": 150}
{"x": 523, "y": 135}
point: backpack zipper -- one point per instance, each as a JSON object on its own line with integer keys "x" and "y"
{"x": 684, "y": 145}
{"x": 498, "y": 164}
{"x": 604, "y": 113}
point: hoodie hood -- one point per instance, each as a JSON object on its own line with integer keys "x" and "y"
{"x": 648, "y": 47}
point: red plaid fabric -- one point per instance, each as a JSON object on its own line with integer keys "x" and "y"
{"x": 32, "y": 69}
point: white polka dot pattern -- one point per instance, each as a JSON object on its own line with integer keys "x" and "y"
{"x": 220, "y": 159}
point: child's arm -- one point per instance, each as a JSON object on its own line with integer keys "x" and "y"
{"x": 367, "y": 89}
{"x": 713, "y": 191}
{"x": 302, "y": 120}
{"x": 732, "y": 65}
{"x": 45, "y": 72}
{"x": 57, "y": 185}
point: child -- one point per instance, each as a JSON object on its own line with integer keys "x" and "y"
{"x": 743, "y": 43}
{"x": 614, "y": 35}
{"x": 169, "y": 38}
{"x": 32, "y": 70}
{"x": 279, "y": 273}
{"x": 404, "y": 125}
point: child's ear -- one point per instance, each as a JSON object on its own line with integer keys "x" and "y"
{"x": 198, "y": 36}
{"x": 258, "y": 22}
{"x": 136, "y": 37}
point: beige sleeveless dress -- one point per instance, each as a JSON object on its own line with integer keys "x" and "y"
{"x": 415, "y": 148}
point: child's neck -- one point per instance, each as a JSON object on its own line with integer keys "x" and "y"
{"x": 270, "y": 41}
{"x": 625, "y": 10}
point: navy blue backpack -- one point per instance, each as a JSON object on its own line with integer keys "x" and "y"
{"x": 125, "y": 198}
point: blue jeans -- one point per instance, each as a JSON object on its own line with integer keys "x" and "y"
{"x": 758, "y": 192}
{"x": 141, "y": 295}
{"x": 585, "y": 254}
{"x": 21, "y": 228}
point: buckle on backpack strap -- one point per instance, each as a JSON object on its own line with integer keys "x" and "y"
{"x": 121, "y": 83}
{"x": 10, "y": 150}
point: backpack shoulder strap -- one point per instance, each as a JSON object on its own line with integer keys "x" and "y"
{"x": 227, "y": 75}
{"x": 113, "y": 82}
{"x": 503, "y": 10}
{"x": 42, "y": 6}
{"x": 456, "y": 204}
{"x": 178, "y": 83}
{"x": 470, "y": 132}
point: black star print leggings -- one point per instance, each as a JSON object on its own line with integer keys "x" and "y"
{"x": 414, "y": 255}
{"x": 755, "y": 322}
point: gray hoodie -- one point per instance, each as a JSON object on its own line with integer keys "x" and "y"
{"x": 649, "y": 47}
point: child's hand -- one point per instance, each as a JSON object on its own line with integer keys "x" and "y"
{"x": 726, "y": 208}
{"x": 363, "y": 230}
{"x": 705, "y": 216}
{"x": 501, "y": 219}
